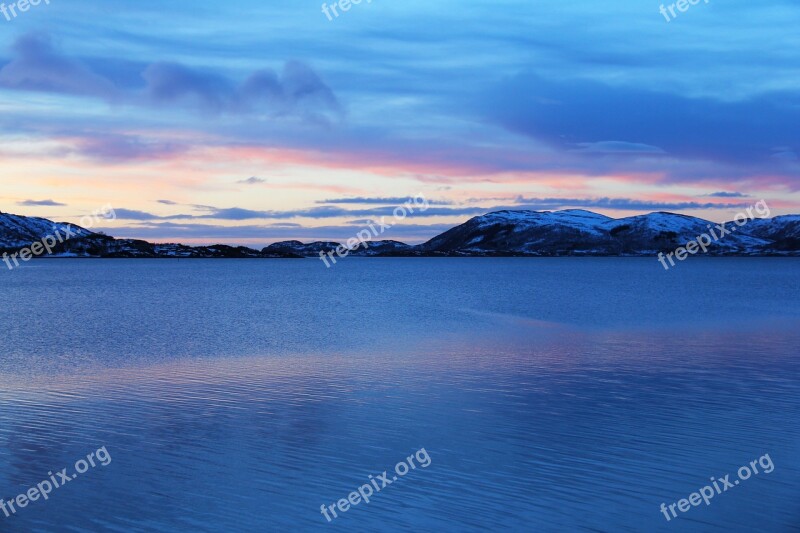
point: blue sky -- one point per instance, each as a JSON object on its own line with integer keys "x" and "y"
{"x": 249, "y": 122}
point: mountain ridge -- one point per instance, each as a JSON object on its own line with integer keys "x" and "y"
{"x": 570, "y": 232}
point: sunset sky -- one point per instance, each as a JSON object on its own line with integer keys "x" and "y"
{"x": 253, "y": 121}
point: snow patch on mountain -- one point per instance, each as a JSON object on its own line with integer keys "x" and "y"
{"x": 17, "y": 231}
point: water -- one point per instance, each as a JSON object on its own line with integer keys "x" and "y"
{"x": 550, "y": 394}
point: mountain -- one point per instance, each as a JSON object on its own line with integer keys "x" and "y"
{"x": 18, "y": 232}
{"x": 574, "y": 232}
{"x": 298, "y": 248}
{"x": 580, "y": 232}
{"x": 313, "y": 249}
{"x": 522, "y": 233}
{"x": 783, "y": 231}
{"x": 384, "y": 248}
{"x": 663, "y": 232}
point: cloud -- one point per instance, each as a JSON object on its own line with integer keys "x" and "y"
{"x": 613, "y": 203}
{"x": 171, "y": 83}
{"x": 132, "y": 214}
{"x": 723, "y": 194}
{"x": 41, "y": 203}
{"x": 321, "y": 212}
{"x": 298, "y": 91}
{"x": 252, "y": 181}
{"x": 37, "y": 66}
{"x": 238, "y": 213}
{"x": 284, "y": 225}
{"x": 584, "y": 113}
{"x": 788, "y": 156}
{"x": 118, "y": 147}
{"x": 397, "y": 200}
{"x": 201, "y": 207}
{"x": 167, "y": 202}
{"x": 618, "y": 147}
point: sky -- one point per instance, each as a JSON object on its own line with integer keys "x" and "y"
{"x": 255, "y": 121}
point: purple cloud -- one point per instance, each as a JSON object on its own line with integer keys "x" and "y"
{"x": 37, "y": 66}
{"x": 117, "y": 147}
{"x": 252, "y": 180}
{"x": 723, "y": 194}
{"x": 41, "y": 203}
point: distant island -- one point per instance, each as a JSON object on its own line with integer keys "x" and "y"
{"x": 571, "y": 232}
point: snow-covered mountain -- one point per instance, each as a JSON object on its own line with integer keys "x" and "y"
{"x": 580, "y": 232}
{"x": 783, "y": 231}
{"x": 524, "y": 233}
{"x": 17, "y": 231}
{"x": 384, "y": 248}
{"x": 661, "y": 231}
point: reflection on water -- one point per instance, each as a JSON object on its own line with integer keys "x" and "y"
{"x": 531, "y": 425}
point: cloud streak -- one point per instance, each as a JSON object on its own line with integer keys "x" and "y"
{"x": 41, "y": 203}
{"x": 396, "y": 200}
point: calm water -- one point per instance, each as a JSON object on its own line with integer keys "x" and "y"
{"x": 550, "y": 394}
